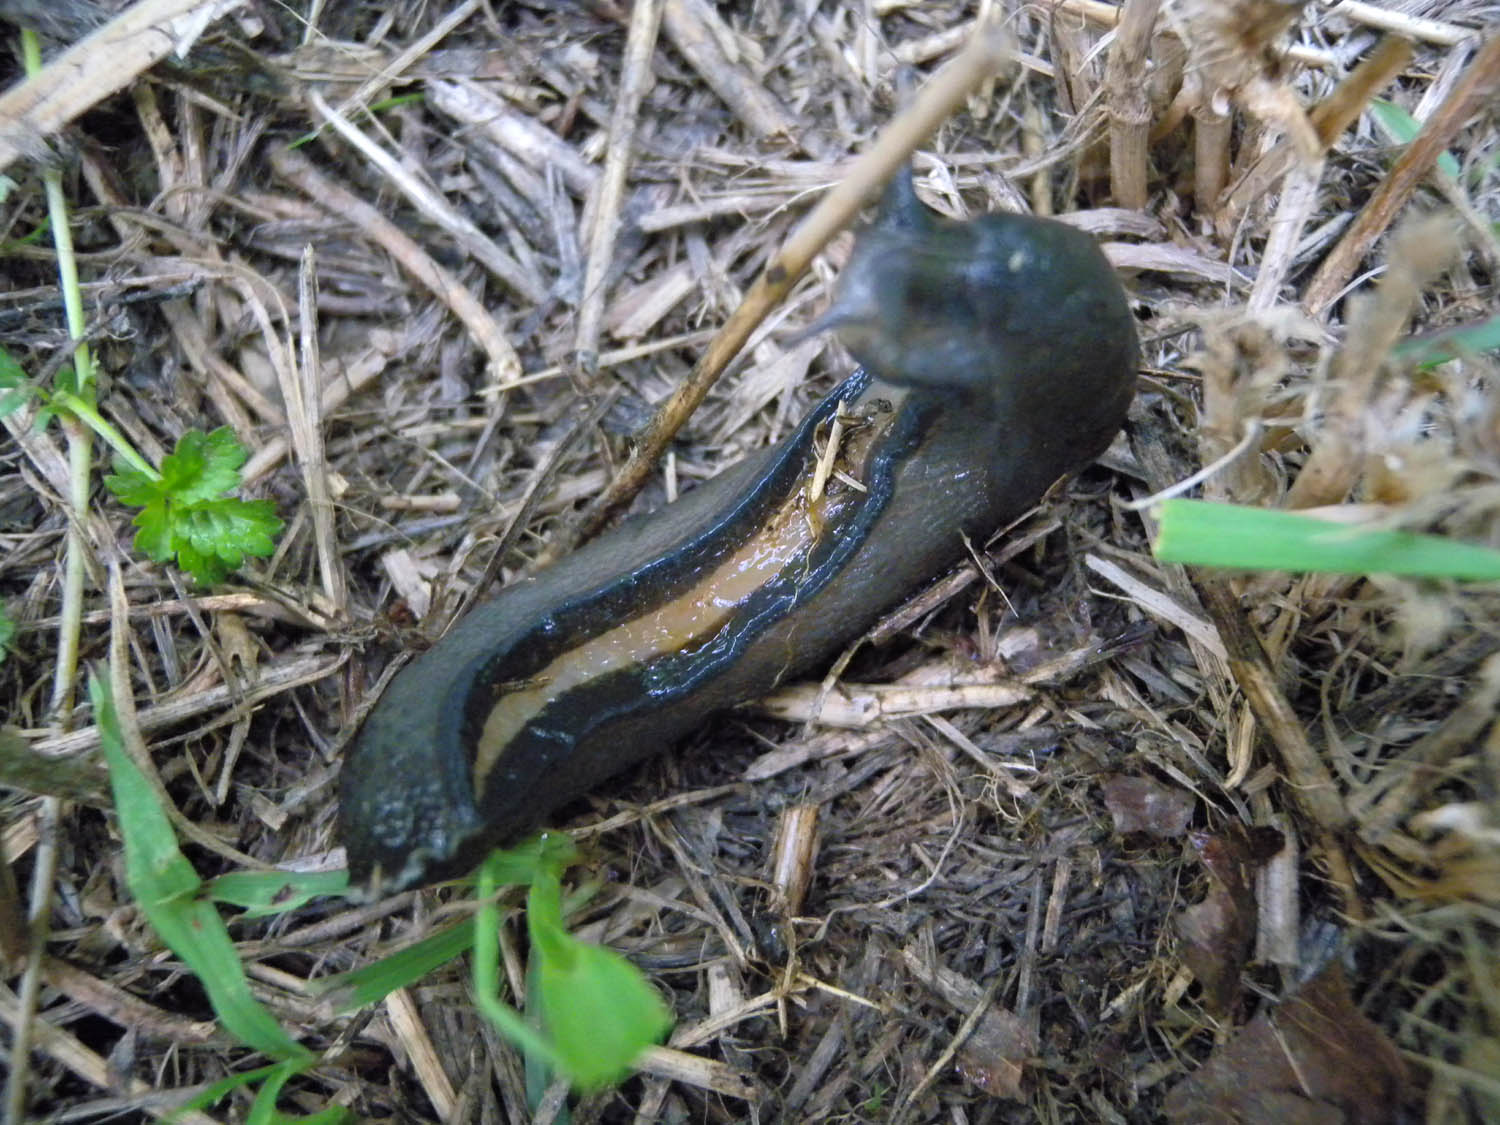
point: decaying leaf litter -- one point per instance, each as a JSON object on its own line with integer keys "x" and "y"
{"x": 1099, "y": 829}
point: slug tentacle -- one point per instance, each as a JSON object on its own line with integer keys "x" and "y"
{"x": 998, "y": 354}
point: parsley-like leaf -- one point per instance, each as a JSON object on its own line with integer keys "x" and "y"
{"x": 187, "y": 514}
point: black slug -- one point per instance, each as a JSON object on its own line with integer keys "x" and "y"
{"x": 998, "y": 354}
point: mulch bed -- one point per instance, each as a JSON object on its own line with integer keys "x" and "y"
{"x": 1226, "y": 849}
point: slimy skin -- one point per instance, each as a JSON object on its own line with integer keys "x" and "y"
{"x": 998, "y": 355}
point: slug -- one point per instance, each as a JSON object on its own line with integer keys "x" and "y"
{"x": 996, "y": 355}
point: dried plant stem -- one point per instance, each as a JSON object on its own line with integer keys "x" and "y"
{"x": 939, "y": 98}
{"x": 1298, "y": 203}
{"x": 406, "y": 58}
{"x": 1308, "y": 779}
{"x": 1108, "y": 15}
{"x": 44, "y": 869}
{"x": 80, "y": 457}
{"x": 304, "y": 396}
{"x": 1479, "y": 84}
{"x": 1415, "y": 27}
{"x": 907, "y": 1107}
{"x": 640, "y": 43}
{"x": 130, "y": 728}
{"x": 1418, "y": 253}
{"x": 1211, "y": 133}
{"x": 1129, "y": 103}
{"x": 355, "y": 375}
{"x": 696, "y": 30}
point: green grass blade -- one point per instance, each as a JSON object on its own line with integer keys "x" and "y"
{"x": 214, "y": 1091}
{"x": 166, "y": 887}
{"x": 347, "y": 992}
{"x": 372, "y": 983}
{"x": 1403, "y": 128}
{"x": 1439, "y": 347}
{"x": 1205, "y": 534}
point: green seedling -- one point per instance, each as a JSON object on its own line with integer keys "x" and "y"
{"x": 169, "y": 891}
{"x": 186, "y": 511}
{"x": 598, "y": 1010}
{"x": 171, "y": 895}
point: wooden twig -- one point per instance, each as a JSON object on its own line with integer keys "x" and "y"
{"x": 1413, "y": 27}
{"x": 487, "y": 116}
{"x": 272, "y": 681}
{"x": 406, "y": 58}
{"x": 904, "y": 1111}
{"x": 1298, "y": 203}
{"x": 1329, "y": 118}
{"x": 303, "y": 394}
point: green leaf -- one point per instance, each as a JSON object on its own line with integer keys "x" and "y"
{"x": 347, "y": 992}
{"x": 13, "y": 400}
{"x": 231, "y": 528}
{"x": 68, "y": 381}
{"x": 598, "y": 1009}
{"x": 14, "y": 387}
{"x": 153, "y": 536}
{"x": 185, "y": 513}
{"x": 373, "y": 982}
{"x": 1204, "y": 534}
{"x": 264, "y": 1107}
{"x": 12, "y": 374}
{"x": 133, "y": 487}
{"x": 203, "y": 466}
{"x": 260, "y": 893}
{"x": 264, "y": 1112}
{"x": 216, "y": 1090}
{"x": 165, "y": 885}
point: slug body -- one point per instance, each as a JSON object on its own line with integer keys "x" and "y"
{"x": 997, "y": 355}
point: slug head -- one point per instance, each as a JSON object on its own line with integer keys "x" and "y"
{"x": 1025, "y": 311}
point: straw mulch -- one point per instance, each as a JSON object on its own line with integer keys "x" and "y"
{"x": 1213, "y": 847}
